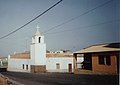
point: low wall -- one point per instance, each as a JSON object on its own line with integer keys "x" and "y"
{"x": 6, "y": 81}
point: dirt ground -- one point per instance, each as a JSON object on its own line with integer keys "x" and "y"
{"x": 1, "y": 83}
{"x": 62, "y": 79}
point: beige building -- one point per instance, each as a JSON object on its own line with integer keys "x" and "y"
{"x": 103, "y": 58}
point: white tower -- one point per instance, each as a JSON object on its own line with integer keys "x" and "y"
{"x": 38, "y": 53}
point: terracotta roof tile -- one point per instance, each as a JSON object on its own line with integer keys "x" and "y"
{"x": 56, "y": 55}
{"x": 21, "y": 56}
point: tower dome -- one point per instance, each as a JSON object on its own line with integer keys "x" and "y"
{"x": 37, "y": 32}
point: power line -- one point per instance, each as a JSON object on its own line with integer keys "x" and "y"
{"x": 31, "y": 20}
{"x": 112, "y": 21}
{"x": 74, "y": 18}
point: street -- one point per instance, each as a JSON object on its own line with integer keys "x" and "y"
{"x": 62, "y": 79}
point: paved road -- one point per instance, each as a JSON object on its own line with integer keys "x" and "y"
{"x": 62, "y": 79}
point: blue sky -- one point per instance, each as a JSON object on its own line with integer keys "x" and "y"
{"x": 96, "y": 27}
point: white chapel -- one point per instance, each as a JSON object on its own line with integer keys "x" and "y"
{"x": 38, "y": 61}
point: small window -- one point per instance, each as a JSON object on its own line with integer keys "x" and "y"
{"x": 104, "y": 59}
{"x": 23, "y": 66}
{"x": 108, "y": 60}
{"x": 101, "y": 60}
{"x": 57, "y": 66}
{"x": 26, "y": 67}
{"x": 39, "y": 39}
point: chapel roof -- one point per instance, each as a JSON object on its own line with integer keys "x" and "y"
{"x": 24, "y": 55}
{"x": 58, "y": 55}
{"x": 48, "y": 55}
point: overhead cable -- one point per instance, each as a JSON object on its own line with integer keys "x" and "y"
{"x": 103, "y": 23}
{"x": 31, "y": 20}
{"x": 74, "y": 18}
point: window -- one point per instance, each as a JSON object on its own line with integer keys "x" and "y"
{"x": 57, "y": 66}
{"x": 101, "y": 60}
{"x": 104, "y": 59}
{"x": 108, "y": 60}
{"x": 23, "y": 66}
{"x": 39, "y": 39}
{"x": 26, "y": 67}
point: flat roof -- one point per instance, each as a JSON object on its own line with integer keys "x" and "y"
{"x": 101, "y": 48}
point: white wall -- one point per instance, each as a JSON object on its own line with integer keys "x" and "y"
{"x": 40, "y": 54}
{"x": 51, "y": 64}
{"x": 32, "y": 53}
{"x": 17, "y": 65}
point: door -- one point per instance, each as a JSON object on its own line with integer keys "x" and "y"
{"x": 70, "y": 68}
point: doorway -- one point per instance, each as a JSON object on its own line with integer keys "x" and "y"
{"x": 87, "y": 63}
{"x": 70, "y": 68}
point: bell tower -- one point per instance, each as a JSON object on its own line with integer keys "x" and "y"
{"x": 38, "y": 53}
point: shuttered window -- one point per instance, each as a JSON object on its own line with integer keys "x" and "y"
{"x": 104, "y": 59}
{"x": 101, "y": 60}
{"x": 108, "y": 60}
{"x": 39, "y": 39}
{"x": 23, "y": 66}
{"x": 26, "y": 67}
